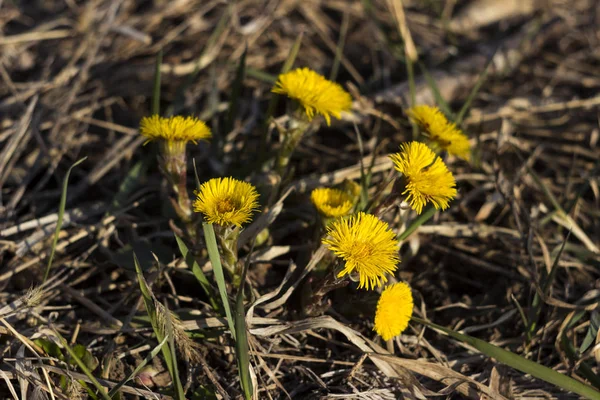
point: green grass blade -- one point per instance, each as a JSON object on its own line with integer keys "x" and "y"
{"x": 482, "y": 77}
{"x": 198, "y": 273}
{"x": 61, "y": 213}
{"x": 215, "y": 259}
{"x": 132, "y": 180}
{"x": 339, "y": 50}
{"x": 583, "y": 367}
{"x": 236, "y": 92}
{"x": 137, "y": 369}
{"x": 413, "y": 92}
{"x": 241, "y": 343}
{"x": 152, "y": 314}
{"x": 442, "y": 104}
{"x": 156, "y": 87}
{"x": 83, "y": 367}
{"x": 519, "y": 363}
{"x": 261, "y": 75}
{"x": 417, "y": 222}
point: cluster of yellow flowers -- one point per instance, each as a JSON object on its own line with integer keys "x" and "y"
{"x": 368, "y": 247}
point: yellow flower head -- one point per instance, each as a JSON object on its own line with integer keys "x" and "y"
{"x": 367, "y": 245}
{"x": 174, "y": 129}
{"x": 394, "y": 310}
{"x": 427, "y": 177}
{"x": 443, "y": 134}
{"x": 315, "y": 93}
{"x": 332, "y": 203}
{"x": 226, "y": 201}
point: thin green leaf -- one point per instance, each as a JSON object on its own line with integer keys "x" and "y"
{"x": 137, "y": 369}
{"x": 241, "y": 343}
{"x": 198, "y": 273}
{"x": 583, "y": 367}
{"x": 83, "y": 367}
{"x": 236, "y": 92}
{"x": 131, "y": 181}
{"x": 417, "y": 222}
{"x": 156, "y": 88}
{"x": 412, "y": 89}
{"x": 339, "y": 50}
{"x": 61, "y": 213}
{"x": 592, "y": 333}
{"x": 482, "y": 77}
{"x": 519, "y": 363}
{"x": 436, "y": 92}
{"x": 215, "y": 259}
{"x": 261, "y": 75}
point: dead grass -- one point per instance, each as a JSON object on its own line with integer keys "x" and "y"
{"x": 77, "y": 76}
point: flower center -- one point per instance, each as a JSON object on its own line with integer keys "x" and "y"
{"x": 225, "y": 206}
{"x": 361, "y": 250}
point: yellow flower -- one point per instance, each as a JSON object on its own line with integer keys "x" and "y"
{"x": 394, "y": 310}
{"x": 174, "y": 129}
{"x": 427, "y": 177}
{"x": 367, "y": 245}
{"x": 332, "y": 203}
{"x": 315, "y": 93}
{"x": 226, "y": 201}
{"x": 443, "y": 134}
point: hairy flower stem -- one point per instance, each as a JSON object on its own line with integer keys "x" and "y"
{"x": 173, "y": 162}
{"x": 291, "y": 138}
{"x": 228, "y": 239}
{"x": 315, "y": 290}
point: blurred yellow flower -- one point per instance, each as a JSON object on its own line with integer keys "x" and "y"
{"x": 332, "y": 203}
{"x": 427, "y": 177}
{"x": 443, "y": 134}
{"x": 174, "y": 129}
{"x": 315, "y": 94}
{"x": 367, "y": 245}
{"x": 394, "y": 310}
{"x": 226, "y": 201}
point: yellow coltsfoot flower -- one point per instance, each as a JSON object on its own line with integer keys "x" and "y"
{"x": 367, "y": 245}
{"x": 175, "y": 131}
{"x": 394, "y": 310}
{"x": 315, "y": 94}
{"x": 443, "y": 134}
{"x": 226, "y": 201}
{"x": 331, "y": 203}
{"x": 427, "y": 179}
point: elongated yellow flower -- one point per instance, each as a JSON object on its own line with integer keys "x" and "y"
{"x": 331, "y": 203}
{"x": 427, "y": 177}
{"x": 226, "y": 201}
{"x": 315, "y": 94}
{"x": 394, "y": 310}
{"x": 443, "y": 134}
{"x": 174, "y": 129}
{"x": 367, "y": 245}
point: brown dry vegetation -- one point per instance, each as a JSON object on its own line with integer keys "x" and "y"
{"x": 77, "y": 76}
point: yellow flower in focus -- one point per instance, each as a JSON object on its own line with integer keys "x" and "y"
{"x": 427, "y": 177}
{"x": 367, "y": 245}
{"x": 174, "y": 129}
{"x": 332, "y": 203}
{"x": 315, "y": 94}
{"x": 394, "y": 310}
{"x": 226, "y": 201}
{"x": 443, "y": 134}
